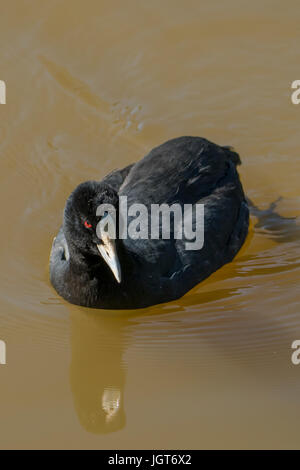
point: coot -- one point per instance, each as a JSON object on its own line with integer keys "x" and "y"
{"x": 97, "y": 268}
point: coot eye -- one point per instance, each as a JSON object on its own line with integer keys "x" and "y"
{"x": 87, "y": 225}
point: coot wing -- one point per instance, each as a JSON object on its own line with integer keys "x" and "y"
{"x": 188, "y": 170}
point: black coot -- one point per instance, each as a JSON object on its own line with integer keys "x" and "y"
{"x": 89, "y": 268}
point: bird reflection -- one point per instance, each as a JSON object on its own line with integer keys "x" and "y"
{"x": 97, "y": 369}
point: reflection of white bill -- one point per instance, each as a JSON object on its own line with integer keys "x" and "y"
{"x": 2, "y": 352}
{"x": 111, "y": 399}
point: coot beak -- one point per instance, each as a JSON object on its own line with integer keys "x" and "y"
{"x": 108, "y": 251}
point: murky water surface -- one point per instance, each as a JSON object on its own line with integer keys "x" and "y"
{"x": 91, "y": 86}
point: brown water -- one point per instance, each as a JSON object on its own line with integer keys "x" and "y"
{"x": 91, "y": 86}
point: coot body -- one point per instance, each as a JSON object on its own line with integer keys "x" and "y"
{"x": 96, "y": 271}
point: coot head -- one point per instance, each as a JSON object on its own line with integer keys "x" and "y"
{"x": 90, "y": 226}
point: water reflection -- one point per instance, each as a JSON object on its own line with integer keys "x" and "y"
{"x": 97, "y": 370}
{"x": 200, "y": 321}
{"x": 277, "y": 227}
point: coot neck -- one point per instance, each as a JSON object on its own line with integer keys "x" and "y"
{"x": 82, "y": 261}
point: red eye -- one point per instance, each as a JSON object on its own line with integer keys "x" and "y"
{"x": 87, "y": 225}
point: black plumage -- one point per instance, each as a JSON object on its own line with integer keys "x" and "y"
{"x": 186, "y": 170}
